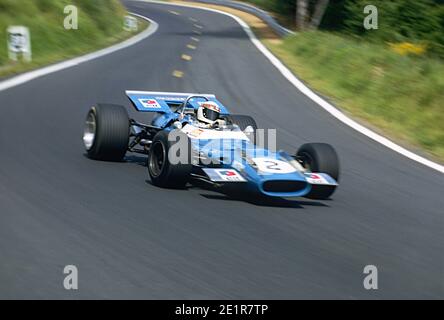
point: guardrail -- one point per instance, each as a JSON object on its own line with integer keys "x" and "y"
{"x": 265, "y": 16}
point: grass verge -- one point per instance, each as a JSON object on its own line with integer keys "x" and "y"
{"x": 100, "y": 24}
{"x": 398, "y": 96}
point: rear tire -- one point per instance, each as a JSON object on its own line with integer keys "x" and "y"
{"x": 106, "y": 132}
{"x": 320, "y": 157}
{"x": 163, "y": 173}
{"x": 243, "y": 122}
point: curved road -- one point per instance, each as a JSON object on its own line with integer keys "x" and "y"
{"x": 132, "y": 240}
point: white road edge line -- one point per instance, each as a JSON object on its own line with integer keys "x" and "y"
{"x": 28, "y": 76}
{"x": 313, "y": 96}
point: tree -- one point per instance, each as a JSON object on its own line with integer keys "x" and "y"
{"x": 320, "y": 8}
{"x": 301, "y": 14}
{"x": 303, "y": 19}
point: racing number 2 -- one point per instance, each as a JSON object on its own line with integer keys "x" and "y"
{"x": 267, "y": 165}
{"x": 272, "y": 165}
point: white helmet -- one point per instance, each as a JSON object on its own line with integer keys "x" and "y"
{"x": 208, "y": 112}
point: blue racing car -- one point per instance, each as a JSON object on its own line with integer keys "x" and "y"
{"x": 193, "y": 138}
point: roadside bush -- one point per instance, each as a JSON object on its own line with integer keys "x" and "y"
{"x": 417, "y": 21}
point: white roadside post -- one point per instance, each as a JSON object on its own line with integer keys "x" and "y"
{"x": 130, "y": 24}
{"x": 19, "y": 42}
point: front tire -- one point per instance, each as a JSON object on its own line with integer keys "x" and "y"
{"x": 162, "y": 171}
{"x": 320, "y": 157}
{"x": 106, "y": 132}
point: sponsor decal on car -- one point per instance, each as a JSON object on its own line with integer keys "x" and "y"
{"x": 316, "y": 179}
{"x": 224, "y": 175}
{"x": 150, "y": 103}
{"x": 229, "y": 175}
{"x": 319, "y": 178}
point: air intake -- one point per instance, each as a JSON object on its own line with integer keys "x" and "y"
{"x": 283, "y": 186}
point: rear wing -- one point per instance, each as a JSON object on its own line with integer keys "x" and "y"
{"x": 162, "y": 102}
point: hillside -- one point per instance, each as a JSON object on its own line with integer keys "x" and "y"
{"x": 100, "y": 24}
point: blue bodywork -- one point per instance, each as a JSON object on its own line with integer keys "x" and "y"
{"x": 242, "y": 153}
{"x": 229, "y": 154}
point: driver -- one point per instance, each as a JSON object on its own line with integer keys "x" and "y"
{"x": 208, "y": 114}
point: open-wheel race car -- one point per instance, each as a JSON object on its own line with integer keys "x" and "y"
{"x": 193, "y": 138}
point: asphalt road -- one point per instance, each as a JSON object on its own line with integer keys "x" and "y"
{"x": 130, "y": 239}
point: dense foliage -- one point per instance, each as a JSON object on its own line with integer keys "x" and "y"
{"x": 417, "y": 21}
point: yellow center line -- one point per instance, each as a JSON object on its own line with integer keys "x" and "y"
{"x": 186, "y": 57}
{"x": 190, "y": 46}
{"x": 178, "y": 74}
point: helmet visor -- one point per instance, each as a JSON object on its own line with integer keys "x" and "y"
{"x": 210, "y": 114}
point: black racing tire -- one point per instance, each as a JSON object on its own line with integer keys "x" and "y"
{"x": 110, "y": 126}
{"x": 320, "y": 157}
{"x": 162, "y": 172}
{"x": 243, "y": 122}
